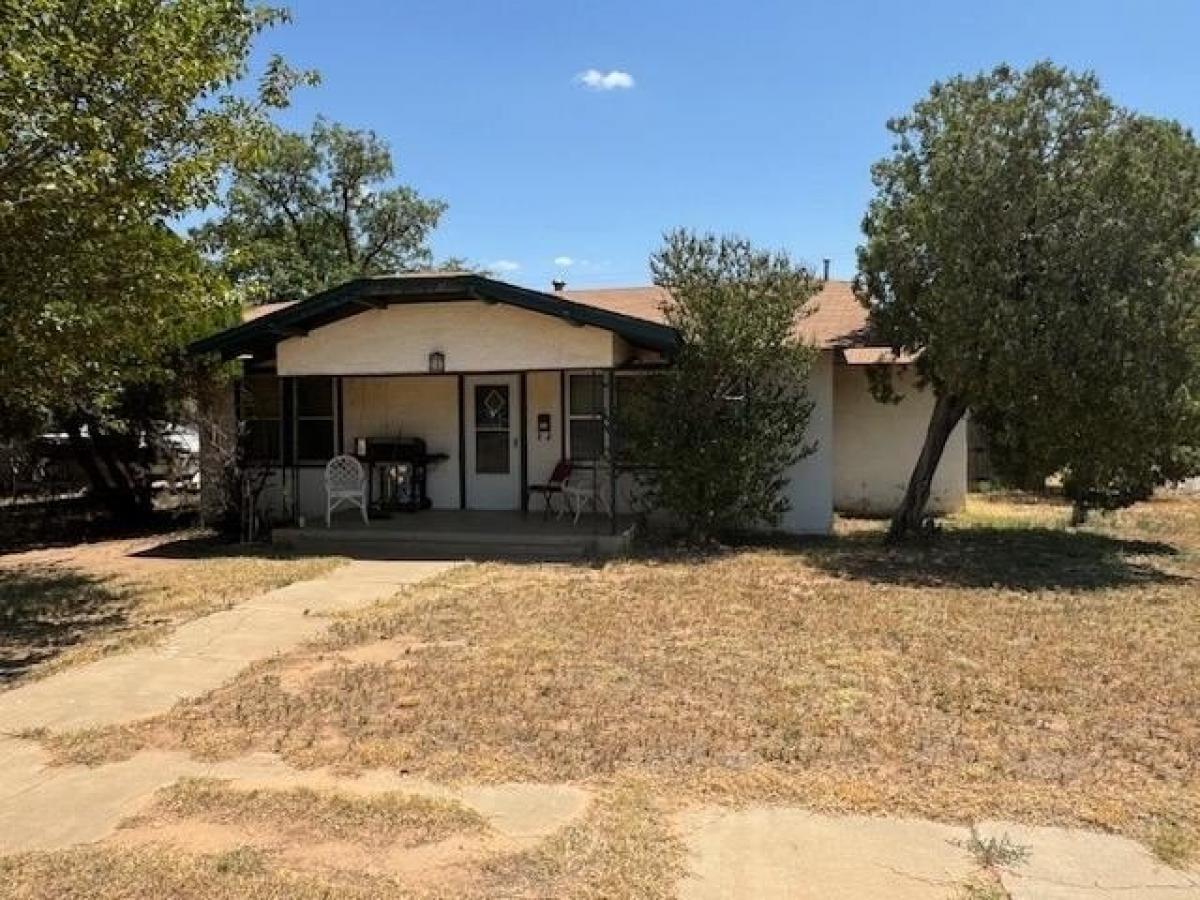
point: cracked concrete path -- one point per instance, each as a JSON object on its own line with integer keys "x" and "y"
{"x": 781, "y": 852}
{"x": 45, "y": 807}
{"x": 202, "y": 654}
{"x": 1073, "y": 864}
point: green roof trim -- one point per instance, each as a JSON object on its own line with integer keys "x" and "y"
{"x": 262, "y": 334}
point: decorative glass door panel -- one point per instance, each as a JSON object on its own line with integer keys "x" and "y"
{"x": 492, "y": 434}
{"x": 492, "y": 417}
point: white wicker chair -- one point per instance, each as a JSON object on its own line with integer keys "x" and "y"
{"x": 586, "y": 487}
{"x": 344, "y": 483}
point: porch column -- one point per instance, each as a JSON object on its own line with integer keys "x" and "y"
{"x": 611, "y": 384}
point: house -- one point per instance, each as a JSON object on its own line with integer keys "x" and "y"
{"x": 500, "y": 382}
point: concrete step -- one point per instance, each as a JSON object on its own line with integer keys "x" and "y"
{"x": 447, "y": 546}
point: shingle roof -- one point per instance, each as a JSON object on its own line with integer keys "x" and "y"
{"x": 835, "y": 317}
{"x": 260, "y": 332}
{"x": 834, "y": 320}
{"x": 250, "y": 313}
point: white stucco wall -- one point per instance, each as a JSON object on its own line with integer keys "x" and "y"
{"x": 475, "y": 337}
{"x": 877, "y": 445}
{"x": 810, "y": 481}
{"x": 424, "y": 407}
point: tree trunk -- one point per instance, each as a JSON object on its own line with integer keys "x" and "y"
{"x": 947, "y": 413}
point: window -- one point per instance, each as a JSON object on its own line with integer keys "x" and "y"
{"x": 633, "y": 394}
{"x": 491, "y": 429}
{"x": 586, "y": 416}
{"x": 262, "y": 418}
{"x": 314, "y": 419}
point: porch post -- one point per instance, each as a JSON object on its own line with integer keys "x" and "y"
{"x": 341, "y": 427}
{"x": 612, "y": 450}
{"x": 524, "y": 432}
{"x": 462, "y": 445}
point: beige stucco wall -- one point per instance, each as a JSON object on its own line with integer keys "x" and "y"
{"x": 810, "y": 481}
{"x": 544, "y": 396}
{"x": 424, "y": 407}
{"x": 877, "y": 445}
{"x": 475, "y": 337}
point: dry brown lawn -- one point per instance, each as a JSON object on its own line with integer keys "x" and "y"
{"x": 306, "y": 815}
{"x": 64, "y": 606}
{"x": 205, "y": 839}
{"x": 1008, "y": 668}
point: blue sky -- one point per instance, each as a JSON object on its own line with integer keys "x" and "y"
{"x": 760, "y": 118}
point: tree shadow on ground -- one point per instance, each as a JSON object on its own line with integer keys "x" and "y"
{"x": 64, "y": 521}
{"x": 45, "y": 611}
{"x": 1029, "y": 559}
{"x": 212, "y": 546}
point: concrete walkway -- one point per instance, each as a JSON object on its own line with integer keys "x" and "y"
{"x": 202, "y": 654}
{"x": 45, "y": 807}
{"x": 772, "y": 853}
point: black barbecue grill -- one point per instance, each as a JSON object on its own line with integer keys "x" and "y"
{"x": 397, "y": 474}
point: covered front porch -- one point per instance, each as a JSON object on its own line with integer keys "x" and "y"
{"x": 455, "y": 393}
{"x": 480, "y": 442}
{"x": 464, "y": 534}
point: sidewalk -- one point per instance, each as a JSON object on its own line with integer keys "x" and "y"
{"x": 202, "y": 654}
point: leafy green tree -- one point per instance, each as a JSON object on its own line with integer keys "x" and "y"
{"x": 720, "y": 427}
{"x": 116, "y": 117}
{"x": 312, "y": 210}
{"x": 1037, "y": 245}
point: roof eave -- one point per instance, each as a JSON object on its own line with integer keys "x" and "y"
{"x": 352, "y": 297}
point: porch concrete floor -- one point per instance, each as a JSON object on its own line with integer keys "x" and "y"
{"x": 459, "y": 534}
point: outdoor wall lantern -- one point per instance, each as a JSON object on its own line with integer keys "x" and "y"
{"x": 543, "y": 426}
{"x": 437, "y": 362}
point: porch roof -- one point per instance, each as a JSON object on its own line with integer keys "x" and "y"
{"x": 263, "y": 332}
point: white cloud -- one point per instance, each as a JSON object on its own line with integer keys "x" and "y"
{"x": 614, "y": 79}
{"x": 507, "y": 266}
{"x": 563, "y": 262}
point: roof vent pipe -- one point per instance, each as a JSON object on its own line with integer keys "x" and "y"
{"x": 558, "y": 284}
{"x": 825, "y": 266}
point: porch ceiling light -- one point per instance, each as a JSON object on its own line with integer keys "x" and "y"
{"x": 437, "y": 362}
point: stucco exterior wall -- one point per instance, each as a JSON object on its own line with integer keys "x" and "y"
{"x": 877, "y": 445}
{"x": 475, "y": 337}
{"x": 544, "y": 396}
{"x": 424, "y": 407}
{"x": 810, "y": 481}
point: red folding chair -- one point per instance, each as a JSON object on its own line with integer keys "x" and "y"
{"x": 554, "y": 486}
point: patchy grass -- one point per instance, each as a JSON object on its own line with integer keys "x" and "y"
{"x": 302, "y": 814}
{"x": 994, "y": 853}
{"x": 74, "y": 609}
{"x": 621, "y": 848}
{"x": 124, "y": 874}
{"x": 1174, "y": 844}
{"x": 1010, "y": 668}
{"x": 984, "y": 886}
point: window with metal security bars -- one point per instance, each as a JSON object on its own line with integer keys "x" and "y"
{"x": 262, "y": 418}
{"x": 586, "y": 416}
{"x": 315, "y": 419}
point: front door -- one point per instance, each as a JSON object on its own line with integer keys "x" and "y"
{"x": 493, "y": 439}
